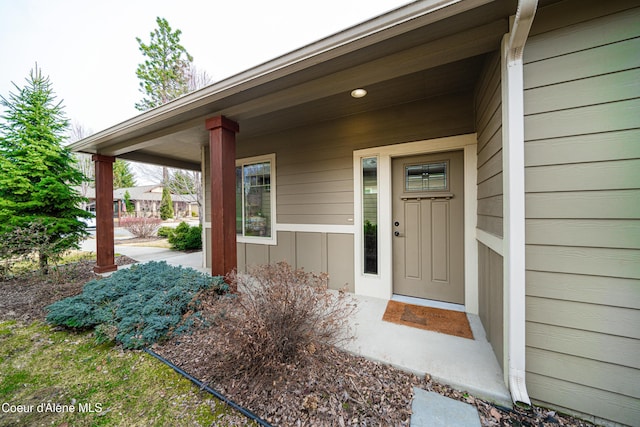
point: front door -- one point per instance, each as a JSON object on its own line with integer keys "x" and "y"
{"x": 428, "y": 226}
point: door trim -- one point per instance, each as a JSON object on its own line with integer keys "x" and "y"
{"x": 380, "y": 285}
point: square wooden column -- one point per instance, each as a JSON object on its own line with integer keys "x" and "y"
{"x": 222, "y": 156}
{"x": 104, "y": 213}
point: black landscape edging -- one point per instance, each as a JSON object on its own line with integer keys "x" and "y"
{"x": 244, "y": 411}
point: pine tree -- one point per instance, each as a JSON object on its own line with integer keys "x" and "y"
{"x": 37, "y": 173}
{"x": 165, "y": 74}
{"x": 122, "y": 175}
{"x": 166, "y": 205}
{"x": 128, "y": 203}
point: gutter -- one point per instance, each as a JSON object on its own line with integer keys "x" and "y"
{"x": 514, "y": 197}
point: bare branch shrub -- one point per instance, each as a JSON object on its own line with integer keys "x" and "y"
{"x": 282, "y": 316}
{"x": 141, "y": 227}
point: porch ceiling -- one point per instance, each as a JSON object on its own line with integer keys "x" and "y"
{"x": 403, "y": 63}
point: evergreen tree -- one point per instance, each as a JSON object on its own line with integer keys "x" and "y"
{"x": 166, "y": 204}
{"x": 165, "y": 73}
{"x": 122, "y": 175}
{"x": 128, "y": 203}
{"x": 37, "y": 173}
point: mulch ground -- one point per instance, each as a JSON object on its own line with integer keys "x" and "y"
{"x": 339, "y": 389}
{"x": 25, "y": 297}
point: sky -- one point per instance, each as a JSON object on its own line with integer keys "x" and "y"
{"x": 90, "y": 53}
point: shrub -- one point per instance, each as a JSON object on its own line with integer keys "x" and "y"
{"x": 185, "y": 238}
{"x": 136, "y": 306}
{"x": 164, "y": 231}
{"x": 282, "y": 316}
{"x": 141, "y": 227}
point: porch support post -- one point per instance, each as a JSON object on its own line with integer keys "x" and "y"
{"x": 104, "y": 213}
{"x": 222, "y": 157}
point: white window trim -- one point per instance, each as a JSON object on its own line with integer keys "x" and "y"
{"x": 273, "y": 239}
{"x": 381, "y": 285}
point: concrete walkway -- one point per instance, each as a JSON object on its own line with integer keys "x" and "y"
{"x": 465, "y": 364}
{"x": 148, "y": 253}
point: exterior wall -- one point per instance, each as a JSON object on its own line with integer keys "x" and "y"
{"x": 314, "y": 165}
{"x": 582, "y": 133}
{"x": 490, "y": 294}
{"x": 317, "y": 252}
{"x": 148, "y": 208}
{"x": 488, "y": 103}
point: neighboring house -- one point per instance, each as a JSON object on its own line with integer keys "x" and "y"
{"x": 506, "y": 184}
{"x": 146, "y": 199}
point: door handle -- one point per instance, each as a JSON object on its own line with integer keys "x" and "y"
{"x": 396, "y": 233}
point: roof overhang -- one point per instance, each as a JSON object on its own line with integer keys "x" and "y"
{"x": 421, "y": 50}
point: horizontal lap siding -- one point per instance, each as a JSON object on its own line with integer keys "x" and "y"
{"x": 582, "y": 132}
{"x": 314, "y": 167}
{"x": 315, "y": 163}
{"x": 488, "y": 104}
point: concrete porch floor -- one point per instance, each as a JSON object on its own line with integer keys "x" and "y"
{"x": 465, "y": 364}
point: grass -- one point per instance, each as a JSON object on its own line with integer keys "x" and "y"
{"x": 155, "y": 243}
{"x": 93, "y": 384}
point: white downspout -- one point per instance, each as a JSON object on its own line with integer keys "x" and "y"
{"x": 514, "y": 197}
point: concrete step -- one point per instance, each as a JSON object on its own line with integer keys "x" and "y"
{"x": 434, "y": 410}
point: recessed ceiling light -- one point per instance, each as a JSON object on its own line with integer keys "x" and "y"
{"x": 358, "y": 93}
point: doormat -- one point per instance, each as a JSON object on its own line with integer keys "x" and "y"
{"x": 429, "y": 318}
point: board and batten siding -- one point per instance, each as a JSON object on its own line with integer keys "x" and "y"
{"x": 488, "y": 120}
{"x": 330, "y": 253}
{"x": 582, "y": 177}
{"x": 490, "y": 298}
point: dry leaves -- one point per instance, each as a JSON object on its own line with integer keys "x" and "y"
{"x": 342, "y": 389}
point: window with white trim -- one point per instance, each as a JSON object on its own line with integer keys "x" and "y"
{"x": 256, "y": 199}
